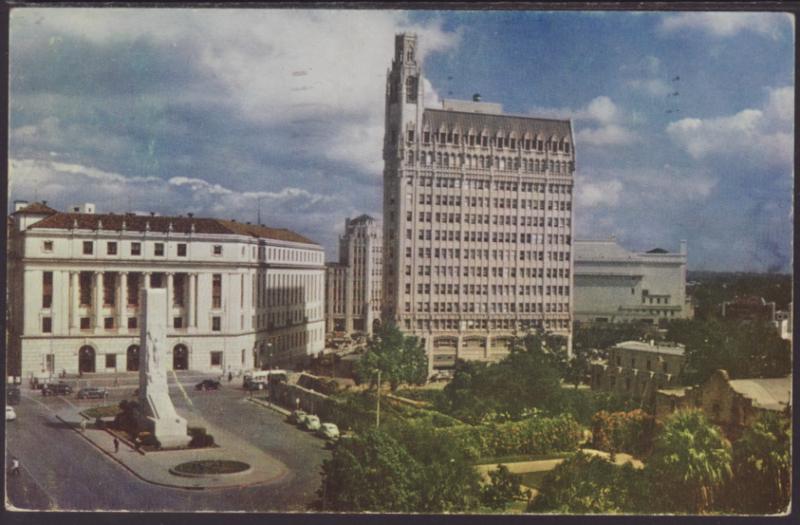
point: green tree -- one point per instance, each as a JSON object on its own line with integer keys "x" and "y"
{"x": 502, "y": 489}
{"x": 400, "y": 358}
{"x": 587, "y": 484}
{"x": 690, "y": 463}
{"x": 762, "y": 467}
{"x": 370, "y": 472}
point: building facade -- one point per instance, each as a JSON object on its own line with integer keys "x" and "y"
{"x": 240, "y": 295}
{"x": 638, "y": 369}
{"x": 354, "y": 285}
{"x": 477, "y": 220}
{"x": 613, "y": 284}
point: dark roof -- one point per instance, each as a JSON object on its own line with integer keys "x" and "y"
{"x": 658, "y": 250}
{"x": 363, "y": 218}
{"x": 87, "y": 221}
{"x": 465, "y": 120}
{"x": 36, "y": 208}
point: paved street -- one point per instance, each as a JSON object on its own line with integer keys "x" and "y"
{"x": 61, "y": 470}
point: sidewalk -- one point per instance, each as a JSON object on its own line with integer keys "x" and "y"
{"x": 154, "y": 467}
{"x": 271, "y": 406}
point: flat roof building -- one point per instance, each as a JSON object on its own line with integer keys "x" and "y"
{"x": 613, "y": 284}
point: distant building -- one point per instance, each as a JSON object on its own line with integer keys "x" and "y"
{"x": 637, "y": 369}
{"x": 732, "y": 404}
{"x": 749, "y": 308}
{"x": 613, "y": 284}
{"x": 354, "y": 285}
{"x": 477, "y": 210}
{"x": 240, "y": 295}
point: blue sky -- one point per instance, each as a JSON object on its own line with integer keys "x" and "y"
{"x": 216, "y": 112}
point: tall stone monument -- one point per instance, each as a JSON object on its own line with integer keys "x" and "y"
{"x": 158, "y": 414}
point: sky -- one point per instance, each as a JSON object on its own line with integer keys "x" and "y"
{"x": 683, "y": 122}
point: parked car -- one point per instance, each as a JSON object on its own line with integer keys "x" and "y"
{"x": 92, "y": 392}
{"x": 207, "y": 384}
{"x": 297, "y": 417}
{"x": 311, "y": 422}
{"x": 11, "y": 415}
{"x": 56, "y": 389}
{"x": 328, "y": 431}
{"x": 12, "y": 395}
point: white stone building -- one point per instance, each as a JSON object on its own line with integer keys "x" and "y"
{"x": 240, "y": 295}
{"x": 613, "y": 284}
{"x": 477, "y": 220}
{"x": 354, "y": 284}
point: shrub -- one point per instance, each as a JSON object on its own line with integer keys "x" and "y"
{"x": 631, "y": 432}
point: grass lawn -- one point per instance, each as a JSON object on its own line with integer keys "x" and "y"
{"x": 102, "y": 411}
{"x": 533, "y": 479}
{"x": 522, "y": 457}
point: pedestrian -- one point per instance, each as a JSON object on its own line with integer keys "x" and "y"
{"x": 230, "y": 377}
{"x": 14, "y": 467}
{"x": 83, "y": 425}
{"x": 116, "y": 445}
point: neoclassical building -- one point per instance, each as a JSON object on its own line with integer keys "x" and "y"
{"x": 354, "y": 285}
{"x": 240, "y": 295}
{"x": 477, "y": 220}
{"x": 613, "y": 284}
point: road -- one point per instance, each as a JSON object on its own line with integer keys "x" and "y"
{"x": 61, "y": 470}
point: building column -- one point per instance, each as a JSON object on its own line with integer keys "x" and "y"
{"x": 75, "y": 300}
{"x": 170, "y": 288}
{"x": 192, "y": 299}
{"x": 122, "y": 301}
{"x": 98, "y": 300}
{"x": 145, "y": 285}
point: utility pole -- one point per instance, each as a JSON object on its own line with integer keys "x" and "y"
{"x": 378, "y": 410}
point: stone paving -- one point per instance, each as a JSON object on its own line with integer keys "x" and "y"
{"x": 154, "y": 467}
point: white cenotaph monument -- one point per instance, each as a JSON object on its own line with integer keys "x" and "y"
{"x": 158, "y": 413}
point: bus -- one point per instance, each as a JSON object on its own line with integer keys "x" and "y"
{"x": 259, "y": 379}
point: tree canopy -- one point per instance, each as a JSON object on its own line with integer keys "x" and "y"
{"x": 400, "y": 358}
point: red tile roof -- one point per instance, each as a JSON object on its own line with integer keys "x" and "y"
{"x": 86, "y": 221}
{"x": 37, "y": 208}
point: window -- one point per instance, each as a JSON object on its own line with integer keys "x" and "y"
{"x": 216, "y": 358}
{"x": 47, "y": 325}
{"x": 86, "y": 323}
{"x": 216, "y": 323}
{"x": 85, "y": 285}
{"x": 111, "y": 248}
{"x": 182, "y": 250}
{"x": 216, "y": 290}
{"x": 88, "y": 247}
{"x": 159, "y": 249}
{"x": 217, "y": 249}
{"x": 177, "y": 322}
{"x": 47, "y": 289}
{"x": 109, "y": 289}
{"x": 111, "y": 360}
{"x": 136, "y": 248}
{"x": 133, "y": 322}
{"x": 108, "y": 323}
{"x": 47, "y": 246}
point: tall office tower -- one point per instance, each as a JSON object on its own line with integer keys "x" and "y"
{"x": 477, "y": 220}
{"x": 355, "y": 283}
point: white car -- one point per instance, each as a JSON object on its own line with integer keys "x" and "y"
{"x": 311, "y": 422}
{"x": 10, "y": 414}
{"x": 328, "y": 431}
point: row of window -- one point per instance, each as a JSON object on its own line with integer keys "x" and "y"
{"x": 500, "y": 237}
{"x": 427, "y": 180}
{"x": 484, "y": 289}
{"x": 525, "y": 165}
{"x": 159, "y": 248}
{"x": 500, "y": 140}
{"x": 648, "y": 364}
{"x": 489, "y": 308}
{"x": 487, "y": 324}
{"x": 109, "y": 323}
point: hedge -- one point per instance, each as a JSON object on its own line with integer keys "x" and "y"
{"x": 536, "y": 435}
{"x": 631, "y": 432}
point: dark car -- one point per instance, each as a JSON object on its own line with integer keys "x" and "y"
{"x": 12, "y": 396}
{"x": 56, "y": 389}
{"x": 92, "y": 393}
{"x": 207, "y": 384}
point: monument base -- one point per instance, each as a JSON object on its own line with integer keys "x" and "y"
{"x": 165, "y": 424}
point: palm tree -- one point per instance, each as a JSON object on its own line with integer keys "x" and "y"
{"x": 762, "y": 466}
{"x": 691, "y": 461}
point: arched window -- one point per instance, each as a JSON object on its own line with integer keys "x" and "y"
{"x": 132, "y": 360}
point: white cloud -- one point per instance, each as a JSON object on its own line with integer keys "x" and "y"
{"x": 609, "y": 135}
{"x": 720, "y": 25}
{"x": 591, "y": 194}
{"x": 763, "y": 135}
{"x": 600, "y": 123}
{"x": 655, "y": 87}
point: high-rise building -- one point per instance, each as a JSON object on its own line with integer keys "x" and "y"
{"x": 477, "y": 220}
{"x": 240, "y": 295}
{"x": 354, "y": 284}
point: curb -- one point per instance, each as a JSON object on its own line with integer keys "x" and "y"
{"x": 271, "y": 406}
